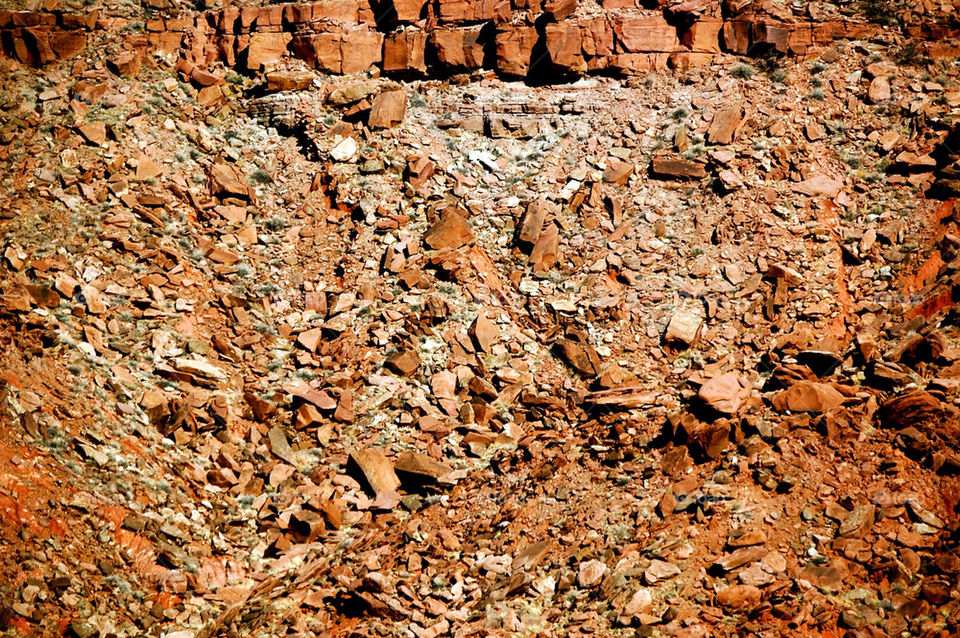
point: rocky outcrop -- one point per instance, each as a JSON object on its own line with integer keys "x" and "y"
{"x": 42, "y": 38}
{"x": 517, "y": 40}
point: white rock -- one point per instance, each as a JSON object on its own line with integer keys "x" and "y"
{"x": 640, "y": 602}
{"x": 591, "y": 573}
{"x": 344, "y": 150}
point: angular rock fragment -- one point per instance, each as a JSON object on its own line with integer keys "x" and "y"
{"x": 403, "y": 362}
{"x": 808, "y": 396}
{"x": 724, "y": 393}
{"x": 818, "y": 186}
{"x": 617, "y": 171}
{"x": 484, "y": 332}
{"x": 625, "y": 398}
{"x": 225, "y": 180}
{"x": 545, "y": 252}
{"x": 724, "y": 125}
{"x": 289, "y": 80}
{"x": 879, "y": 90}
{"x": 859, "y": 521}
{"x": 577, "y": 356}
{"x": 388, "y": 109}
{"x": 419, "y": 170}
{"x": 669, "y": 167}
{"x": 659, "y": 570}
{"x": 683, "y": 329}
{"x": 590, "y": 573}
{"x": 422, "y": 469}
{"x": 531, "y": 224}
{"x": 451, "y": 231}
{"x": 94, "y": 132}
{"x": 739, "y": 597}
{"x": 740, "y": 557}
{"x": 377, "y": 469}
{"x": 280, "y": 446}
{"x": 640, "y": 602}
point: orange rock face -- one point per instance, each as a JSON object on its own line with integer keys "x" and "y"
{"x": 403, "y": 53}
{"x": 458, "y": 47}
{"x": 514, "y": 49}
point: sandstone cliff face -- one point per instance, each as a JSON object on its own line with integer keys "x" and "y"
{"x": 415, "y": 38}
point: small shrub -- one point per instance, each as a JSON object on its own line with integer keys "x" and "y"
{"x": 260, "y": 176}
{"x": 417, "y": 100}
{"x": 742, "y": 71}
{"x": 907, "y": 54}
{"x": 879, "y": 11}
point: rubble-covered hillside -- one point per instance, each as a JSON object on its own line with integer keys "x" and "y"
{"x": 462, "y": 318}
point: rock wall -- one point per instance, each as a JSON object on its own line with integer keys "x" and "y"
{"x": 42, "y": 38}
{"x": 518, "y": 38}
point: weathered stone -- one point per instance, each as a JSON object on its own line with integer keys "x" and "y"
{"x": 740, "y": 557}
{"x": 289, "y": 80}
{"x": 859, "y": 521}
{"x": 459, "y": 47}
{"x": 226, "y": 180}
{"x": 419, "y": 170}
{"x": 388, "y": 109}
{"x": 575, "y": 355}
{"x": 408, "y": 10}
{"x": 514, "y": 46}
{"x": 724, "y": 125}
{"x": 879, "y": 90}
{"x": 640, "y": 602}
{"x": 724, "y": 393}
{"x": 403, "y": 362}
{"x": 94, "y": 132}
{"x": 819, "y": 185}
{"x": 352, "y": 93}
{"x": 617, "y": 171}
{"x": 377, "y": 470}
{"x": 451, "y": 231}
{"x": 739, "y": 597}
{"x": 808, "y": 396}
{"x": 590, "y": 573}
{"x": 564, "y": 49}
{"x": 683, "y": 329}
{"x": 545, "y": 251}
{"x": 703, "y": 36}
{"x": 423, "y": 469}
{"x": 403, "y": 53}
{"x": 126, "y": 63}
{"x": 266, "y": 48}
{"x": 557, "y": 10}
{"x": 531, "y": 225}
{"x": 484, "y": 332}
{"x": 637, "y": 34}
{"x": 344, "y": 150}
{"x": 672, "y": 167}
{"x": 659, "y": 570}
{"x": 454, "y": 11}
